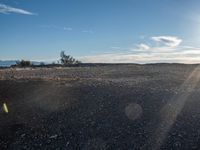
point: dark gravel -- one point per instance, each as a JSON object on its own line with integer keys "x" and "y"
{"x": 103, "y": 107}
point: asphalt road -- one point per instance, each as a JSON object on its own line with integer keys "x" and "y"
{"x": 102, "y": 107}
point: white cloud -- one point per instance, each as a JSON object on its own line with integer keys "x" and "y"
{"x": 170, "y": 52}
{"x": 170, "y": 41}
{"x": 115, "y": 47}
{"x": 88, "y": 31}
{"x": 67, "y": 28}
{"x": 189, "y": 56}
{"x": 143, "y": 46}
{"x": 56, "y": 27}
{"x": 5, "y": 9}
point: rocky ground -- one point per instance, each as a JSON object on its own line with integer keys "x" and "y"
{"x": 101, "y": 107}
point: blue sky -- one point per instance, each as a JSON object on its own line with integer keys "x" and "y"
{"x": 138, "y": 31}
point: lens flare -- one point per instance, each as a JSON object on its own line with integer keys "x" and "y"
{"x": 170, "y": 111}
{"x": 5, "y": 108}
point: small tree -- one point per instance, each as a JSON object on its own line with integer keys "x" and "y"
{"x": 67, "y": 59}
{"x": 42, "y": 64}
{"x": 23, "y": 63}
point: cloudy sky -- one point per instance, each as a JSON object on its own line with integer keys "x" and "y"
{"x": 113, "y": 31}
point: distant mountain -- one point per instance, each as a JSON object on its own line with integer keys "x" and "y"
{"x": 8, "y": 63}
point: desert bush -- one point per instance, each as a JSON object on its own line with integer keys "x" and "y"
{"x": 67, "y": 59}
{"x": 23, "y": 63}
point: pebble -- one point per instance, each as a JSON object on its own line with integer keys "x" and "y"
{"x": 53, "y": 136}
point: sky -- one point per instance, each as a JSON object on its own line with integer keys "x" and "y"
{"x": 105, "y": 31}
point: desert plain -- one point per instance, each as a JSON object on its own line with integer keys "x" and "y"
{"x": 124, "y": 106}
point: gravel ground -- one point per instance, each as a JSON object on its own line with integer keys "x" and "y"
{"x": 102, "y": 107}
